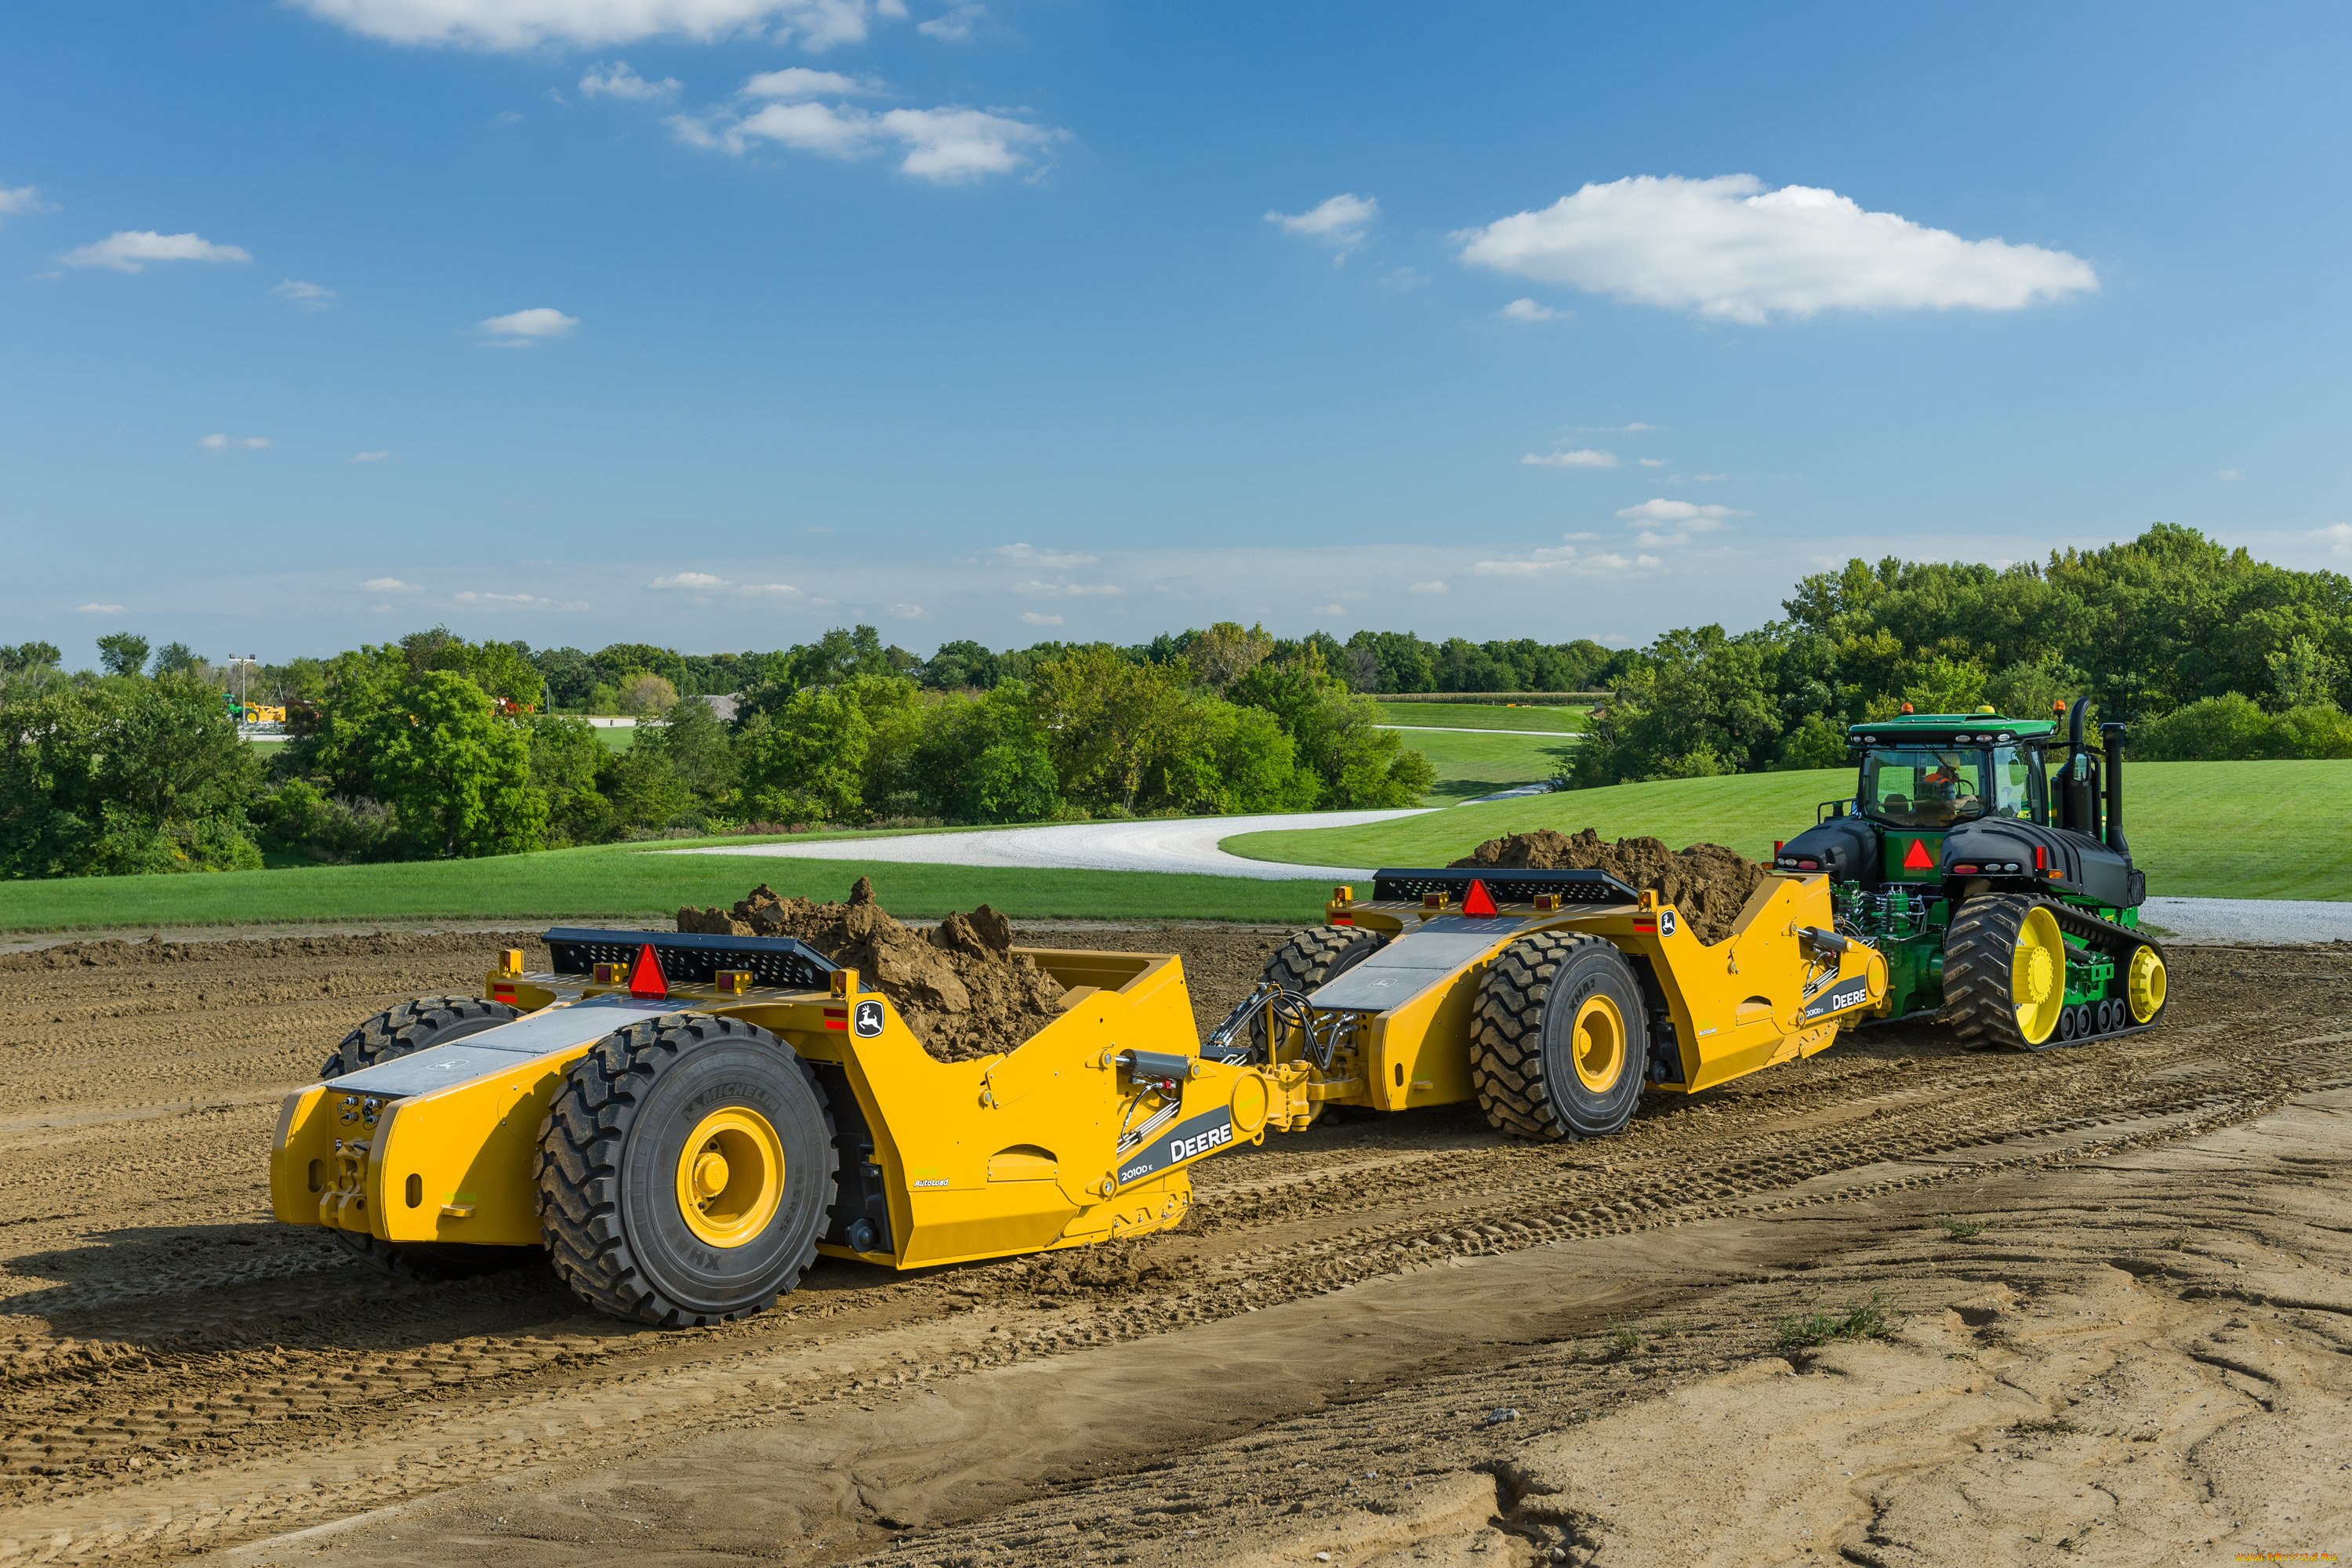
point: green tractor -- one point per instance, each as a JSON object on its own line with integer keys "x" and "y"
{"x": 1984, "y": 858}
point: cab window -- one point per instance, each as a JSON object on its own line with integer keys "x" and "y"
{"x": 2016, "y": 783}
{"x": 1922, "y": 786}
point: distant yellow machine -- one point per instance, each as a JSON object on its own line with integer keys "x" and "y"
{"x": 683, "y": 1123}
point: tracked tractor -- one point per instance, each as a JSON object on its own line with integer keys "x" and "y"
{"x": 1985, "y": 856}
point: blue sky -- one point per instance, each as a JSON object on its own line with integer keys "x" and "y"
{"x": 715, "y": 322}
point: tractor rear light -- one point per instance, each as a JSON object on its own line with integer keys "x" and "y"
{"x": 2041, "y": 857}
{"x": 1545, "y": 903}
{"x": 610, "y": 974}
{"x": 1434, "y": 901}
{"x": 1778, "y": 846}
{"x": 1343, "y": 920}
{"x": 1809, "y": 864}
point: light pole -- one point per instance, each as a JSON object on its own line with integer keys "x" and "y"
{"x": 245, "y": 663}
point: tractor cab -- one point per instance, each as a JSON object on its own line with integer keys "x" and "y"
{"x": 1952, "y": 806}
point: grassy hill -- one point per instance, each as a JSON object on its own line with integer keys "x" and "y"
{"x": 1471, "y": 765}
{"x": 1482, "y": 716}
{"x": 2244, "y": 830}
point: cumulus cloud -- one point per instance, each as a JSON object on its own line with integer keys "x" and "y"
{"x": 908, "y": 612}
{"x": 232, "y": 443}
{"x": 98, "y": 609}
{"x": 1528, "y": 310}
{"x": 132, "y": 249}
{"x": 520, "y": 329}
{"x": 705, "y": 583}
{"x": 1567, "y": 559}
{"x": 22, "y": 201}
{"x": 618, "y": 80}
{"x": 516, "y": 601}
{"x": 954, "y": 25}
{"x": 1583, "y": 457}
{"x": 1029, "y": 554}
{"x": 1732, "y": 250}
{"x": 800, "y": 81}
{"x": 2338, "y": 536}
{"x": 814, "y": 25}
{"x": 1032, "y": 618}
{"x": 946, "y": 145}
{"x": 305, "y": 296}
{"x": 1693, "y": 515}
{"x": 389, "y": 585}
{"x": 1338, "y": 221}
{"x": 1434, "y": 585}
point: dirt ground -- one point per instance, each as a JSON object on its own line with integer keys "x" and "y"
{"x": 2117, "y": 1282}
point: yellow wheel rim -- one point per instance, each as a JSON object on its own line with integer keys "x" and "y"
{"x": 2143, "y": 983}
{"x": 2037, "y": 975}
{"x": 1599, "y": 1044}
{"x": 731, "y": 1177}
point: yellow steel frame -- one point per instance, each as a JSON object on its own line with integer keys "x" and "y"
{"x": 1014, "y": 1153}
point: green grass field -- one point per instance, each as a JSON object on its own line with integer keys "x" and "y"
{"x": 1472, "y": 765}
{"x": 616, "y": 882}
{"x": 616, "y": 738}
{"x": 1481, "y": 716}
{"x": 2236, "y": 830}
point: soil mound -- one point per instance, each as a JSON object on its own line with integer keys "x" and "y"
{"x": 1708, "y": 882}
{"x": 960, "y": 986}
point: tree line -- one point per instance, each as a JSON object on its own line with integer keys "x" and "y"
{"x": 2205, "y": 651}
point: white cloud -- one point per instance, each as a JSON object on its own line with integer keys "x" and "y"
{"x": 371, "y": 456}
{"x": 814, "y": 25}
{"x": 954, "y": 25}
{"x": 908, "y": 612}
{"x": 1635, "y": 428}
{"x": 1328, "y": 610}
{"x": 1584, "y": 458}
{"x": 309, "y": 296}
{"x": 1434, "y": 585}
{"x": 1340, "y": 220}
{"x": 1032, "y": 618}
{"x": 389, "y": 585}
{"x": 704, "y": 583}
{"x": 1029, "y": 554}
{"x": 232, "y": 443}
{"x": 130, "y": 250}
{"x": 22, "y": 201}
{"x": 1528, "y": 310}
{"x": 2339, "y": 536}
{"x": 1732, "y": 250}
{"x": 517, "y": 601}
{"x": 1708, "y": 479}
{"x": 946, "y": 145}
{"x": 520, "y": 329}
{"x": 1074, "y": 590}
{"x": 98, "y": 609}
{"x": 2229, "y": 473}
{"x": 618, "y": 80}
{"x": 1652, "y": 462}
{"x": 1698, "y": 517}
{"x": 800, "y": 81}
{"x": 1565, "y": 558}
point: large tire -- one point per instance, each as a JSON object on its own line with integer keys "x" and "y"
{"x": 2005, "y": 974}
{"x": 417, "y": 1025}
{"x": 1318, "y": 955}
{"x": 638, "y": 1219}
{"x": 1562, "y": 1043}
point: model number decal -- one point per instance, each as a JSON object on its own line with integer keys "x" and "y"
{"x": 1188, "y": 1141}
{"x": 1852, "y": 996}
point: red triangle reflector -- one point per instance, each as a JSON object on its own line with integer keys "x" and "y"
{"x": 1916, "y": 859}
{"x": 646, "y": 976}
{"x": 1478, "y": 901}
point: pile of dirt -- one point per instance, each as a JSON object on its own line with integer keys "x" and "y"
{"x": 960, "y": 986}
{"x": 1708, "y": 883}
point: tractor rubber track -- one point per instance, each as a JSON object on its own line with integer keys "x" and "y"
{"x": 179, "y": 1374}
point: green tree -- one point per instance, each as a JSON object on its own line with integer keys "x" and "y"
{"x": 460, "y": 774}
{"x": 1106, "y": 717}
{"x": 806, "y": 761}
{"x": 122, "y": 653}
{"x": 177, "y": 658}
{"x": 568, "y": 763}
{"x": 645, "y": 695}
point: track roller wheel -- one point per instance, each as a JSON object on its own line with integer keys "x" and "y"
{"x": 2143, "y": 983}
{"x": 2005, "y": 974}
{"x": 685, "y": 1171}
{"x": 1562, "y": 1042}
{"x": 1319, "y": 955}
{"x": 417, "y": 1025}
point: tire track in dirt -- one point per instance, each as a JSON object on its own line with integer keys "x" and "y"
{"x": 161, "y": 1344}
